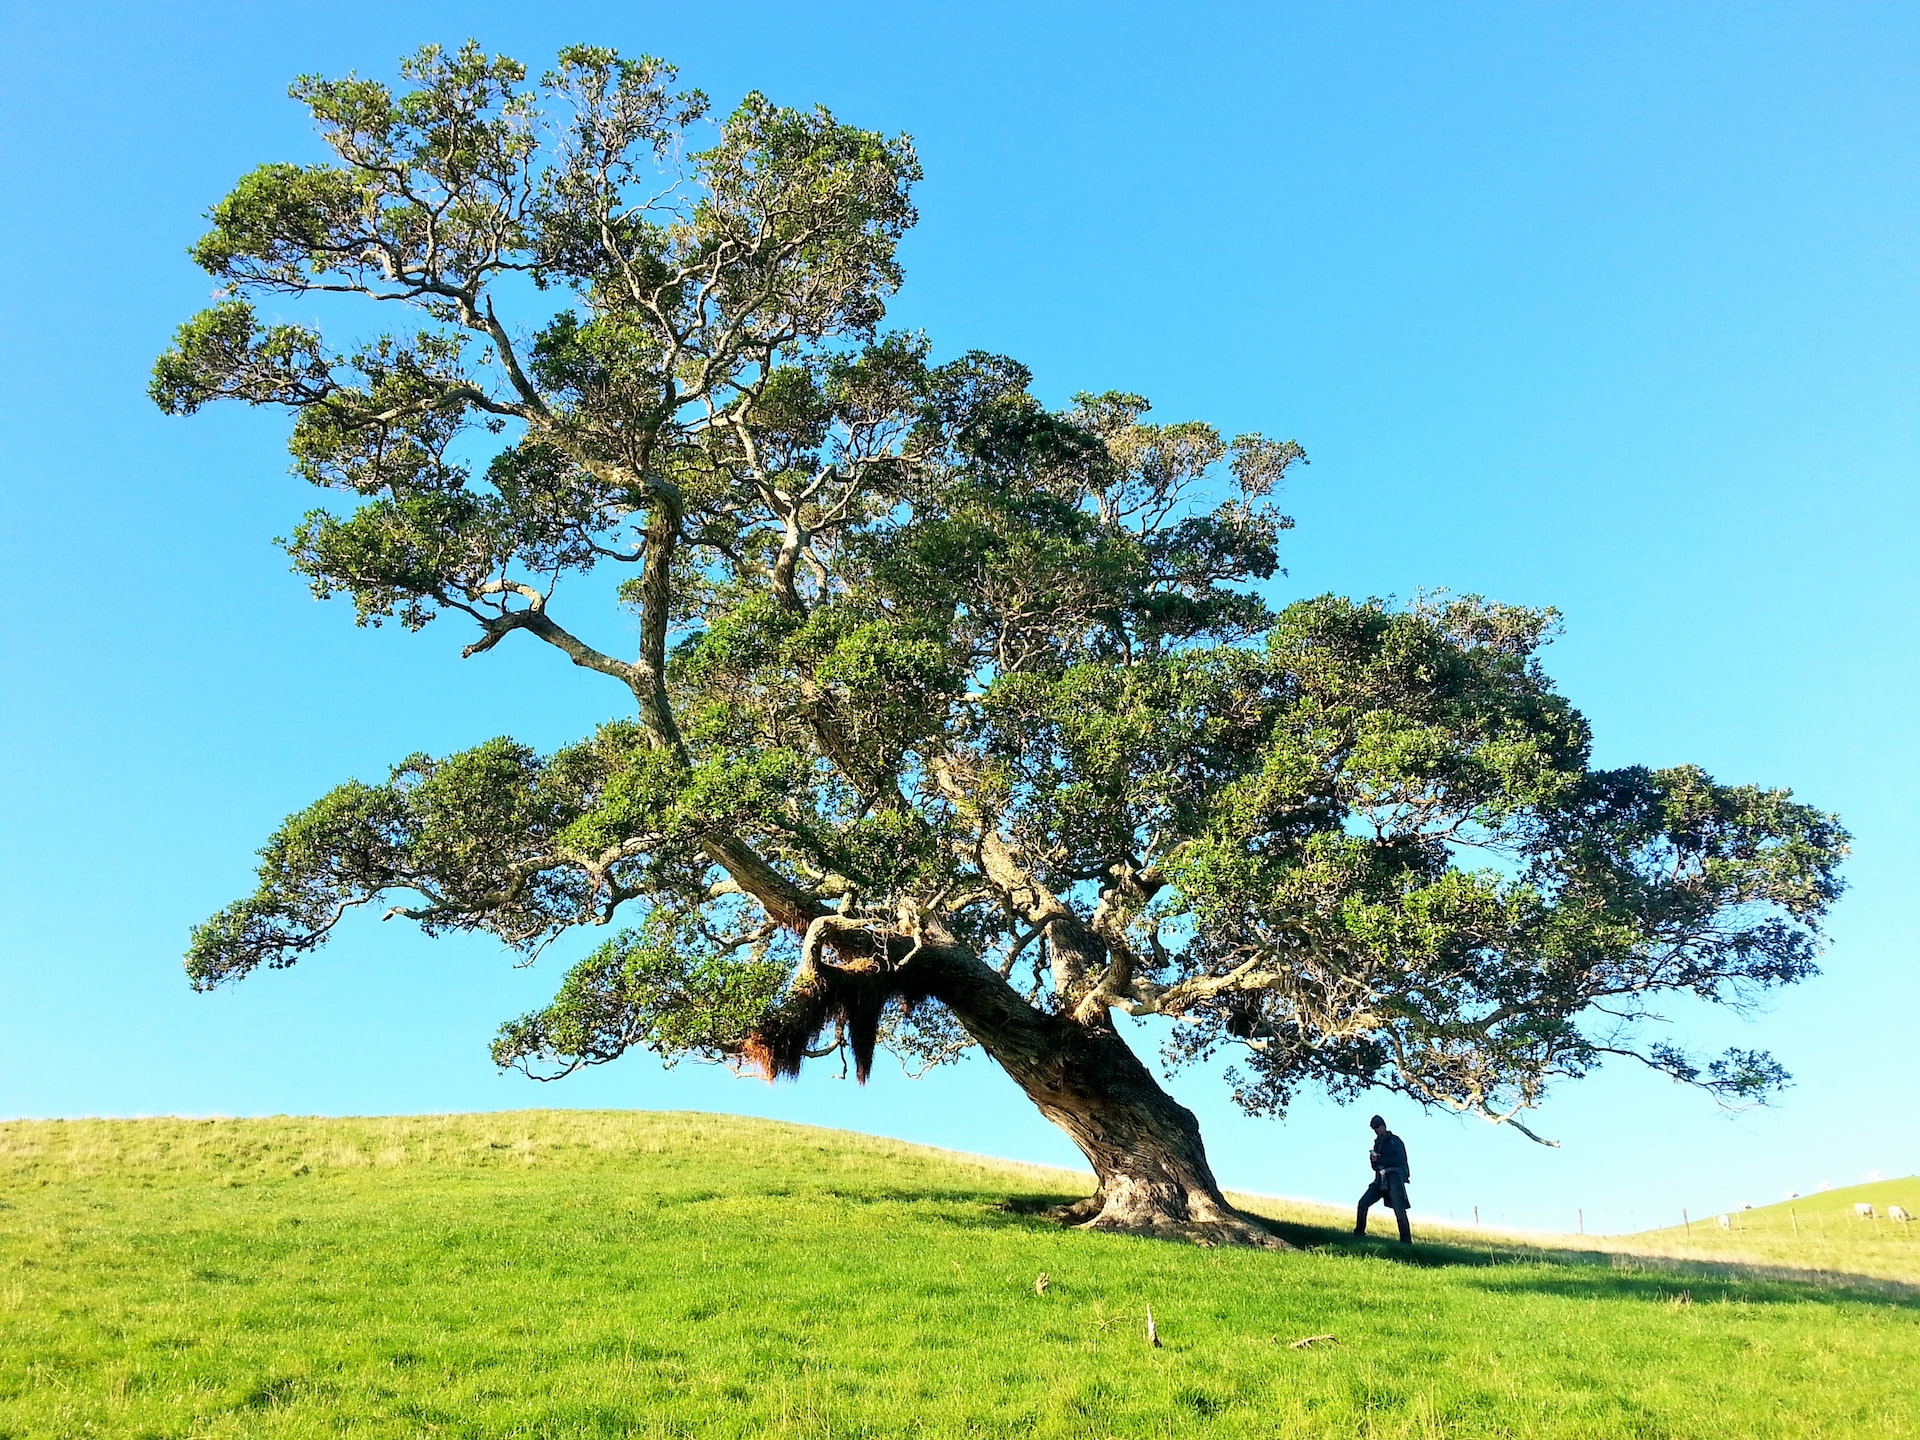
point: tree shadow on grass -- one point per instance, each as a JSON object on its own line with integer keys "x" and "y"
{"x": 1593, "y": 1274}
{"x": 1576, "y": 1274}
{"x": 1034, "y": 1205}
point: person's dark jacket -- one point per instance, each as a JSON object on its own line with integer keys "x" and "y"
{"x": 1390, "y": 1153}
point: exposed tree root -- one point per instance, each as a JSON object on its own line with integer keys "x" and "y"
{"x": 1205, "y": 1223}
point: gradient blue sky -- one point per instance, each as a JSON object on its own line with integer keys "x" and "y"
{"x": 1607, "y": 306}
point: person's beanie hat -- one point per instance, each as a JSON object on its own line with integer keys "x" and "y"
{"x": 1377, "y": 1123}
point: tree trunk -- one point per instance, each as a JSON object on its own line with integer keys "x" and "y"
{"x": 1144, "y": 1145}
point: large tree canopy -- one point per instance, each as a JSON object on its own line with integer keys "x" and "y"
{"x": 953, "y": 719}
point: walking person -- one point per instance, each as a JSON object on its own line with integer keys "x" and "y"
{"x": 1390, "y": 1175}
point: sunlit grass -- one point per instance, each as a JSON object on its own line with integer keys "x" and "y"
{"x": 1813, "y": 1237}
{"x": 1810, "y": 1232}
{"x": 573, "y": 1274}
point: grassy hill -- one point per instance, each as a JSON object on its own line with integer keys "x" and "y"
{"x": 598, "y": 1274}
{"x": 1813, "y": 1232}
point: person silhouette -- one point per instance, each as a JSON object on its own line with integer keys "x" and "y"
{"x": 1390, "y": 1175}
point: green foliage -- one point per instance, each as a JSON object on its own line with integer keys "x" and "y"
{"x": 468, "y": 834}
{"x": 1087, "y": 761}
{"x": 431, "y": 185}
{"x": 1414, "y": 742}
{"x": 223, "y": 353}
{"x": 776, "y": 181}
{"x": 438, "y": 192}
{"x": 281, "y": 220}
{"x": 670, "y": 987}
{"x": 924, "y": 669}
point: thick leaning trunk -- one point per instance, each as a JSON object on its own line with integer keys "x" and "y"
{"x": 1144, "y": 1145}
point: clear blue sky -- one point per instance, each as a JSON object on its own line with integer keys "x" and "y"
{"x": 1607, "y": 306}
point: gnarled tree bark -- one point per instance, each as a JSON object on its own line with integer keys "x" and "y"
{"x": 1145, "y": 1147}
{"x": 1148, "y": 1159}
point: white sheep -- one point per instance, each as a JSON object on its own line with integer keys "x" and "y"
{"x": 1896, "y": 1212}
{"x": 1863, "y": 1210}
{"x": 1726, "y": 1223}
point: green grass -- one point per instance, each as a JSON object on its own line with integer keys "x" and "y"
{"x": 1814, "y": 1232}
{"x": 600, "y": 1274}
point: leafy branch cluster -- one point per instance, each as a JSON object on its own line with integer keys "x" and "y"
{"x": 936, "y": 688}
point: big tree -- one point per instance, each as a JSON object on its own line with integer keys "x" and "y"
{"x": 953, "y": 719}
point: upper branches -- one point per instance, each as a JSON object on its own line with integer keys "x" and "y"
{"x": 688, "y": 276}
{"x": 922, "y": 666}
{"x": 1425, "y": 886}
{"x": 503, "y": 840}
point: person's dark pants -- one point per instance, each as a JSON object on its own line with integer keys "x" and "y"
{"x": 1390, "y": 1186}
